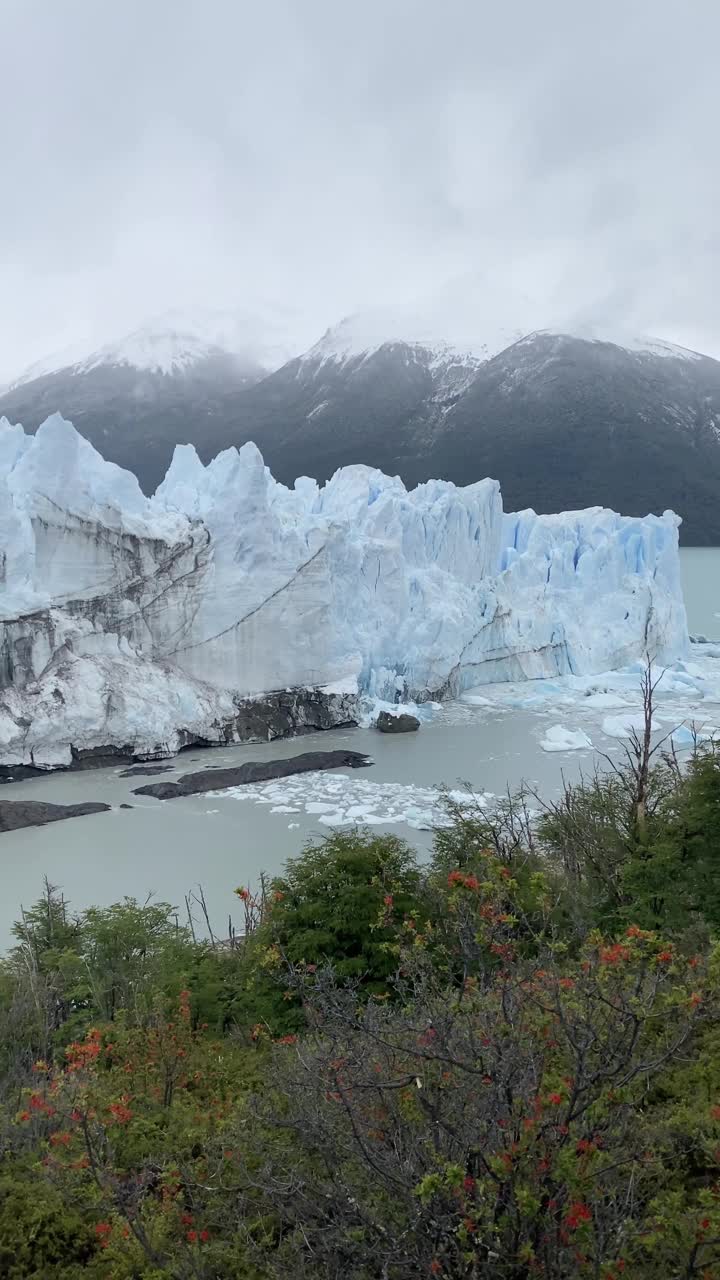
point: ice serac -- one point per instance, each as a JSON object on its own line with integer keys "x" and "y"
{"x": 229, "y": 607}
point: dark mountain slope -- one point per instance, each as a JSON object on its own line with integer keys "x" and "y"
{"x": 562, "y": 422}
{"x": 132, "y": 416}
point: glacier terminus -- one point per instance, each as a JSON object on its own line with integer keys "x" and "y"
{"x": 228, "y": 607}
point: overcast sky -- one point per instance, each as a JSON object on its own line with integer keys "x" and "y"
{"x": 320, "y": 156}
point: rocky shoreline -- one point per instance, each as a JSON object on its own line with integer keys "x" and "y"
{"x": 204, "y": 780}
{"x": 287, "y": 713}
{"x": 16, "y": 814}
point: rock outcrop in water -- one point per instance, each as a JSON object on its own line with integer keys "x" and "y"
{"x": 191, "y": 784}
{"x": 404, "y": 723}
{"x": 15, "y": 814}
{"x": 146, "y": 770}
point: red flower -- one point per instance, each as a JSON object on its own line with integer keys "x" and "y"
{"x": 665, "y": 957}
{"x": 469, "y": 1185}
{"x": 186, "y": 1219}
{"x": 120, "y": 1113}
{"x": 634, "y": 931}
{"x": 435, "y": 1267}
{"x": 204, "y": 1236}
{"x": 555, "y": 1098}
{"x": 388, "y": 899}
{"x": 191, "y": 1237}
{"x": 24, "y": 1115}
{"x": 615, "y": 954}
{"x": 577, "y": 1214}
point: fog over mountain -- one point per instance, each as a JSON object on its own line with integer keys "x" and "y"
{"x": 320, "y": 159}
{"x": 563, "y": 420}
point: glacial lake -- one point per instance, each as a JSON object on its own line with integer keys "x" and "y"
{"x": 168, "y": 848}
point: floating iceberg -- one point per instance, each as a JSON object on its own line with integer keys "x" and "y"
{"x": 627, "y": 726}
{"x": 559, "y": 738}
{"x": 144, "y": 623}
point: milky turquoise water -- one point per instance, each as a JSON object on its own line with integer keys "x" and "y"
{"x": 220, "y": 842}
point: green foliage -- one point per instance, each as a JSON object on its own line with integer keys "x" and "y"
{"x": 40, "y": 1235}
{"x": 501, "y": 1065}
{"x": 674, "y": 883}
{"x": 339, "y": 904}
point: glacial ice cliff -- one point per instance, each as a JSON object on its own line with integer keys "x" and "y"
{"x": 145, "y": 623}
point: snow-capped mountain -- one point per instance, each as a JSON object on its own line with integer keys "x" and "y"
{"x": 564, "y": 421}
{"x": 175, "y": 342}
{"x": 137, "y": 396}
{"x": 564, "y": 418}
{"x": 361, "y": 335}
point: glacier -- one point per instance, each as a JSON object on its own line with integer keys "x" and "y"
{"x": 228, "y": 607}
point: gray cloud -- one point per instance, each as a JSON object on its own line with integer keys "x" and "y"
{"x": 327, "y": 156}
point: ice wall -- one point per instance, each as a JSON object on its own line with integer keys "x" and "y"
{"x": 226, "y": 584}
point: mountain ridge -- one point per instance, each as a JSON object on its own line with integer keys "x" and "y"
{"x": 562, "y": 420}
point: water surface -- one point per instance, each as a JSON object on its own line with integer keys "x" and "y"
{"x": 700, "y": 572}
{"x": 168, "y": 847}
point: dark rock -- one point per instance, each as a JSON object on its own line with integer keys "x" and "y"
{"x": 146, "y": 770}
{"x": 101, "y": 757}
{"x": 288, "y": 713}
{"x": 20, "y": 772}
{"x": 127, "y": 806}
{"x": 388, "y": 723}
{"x": 191, "y": 784}
{"x": 93, "y": 758}
{"x": 15, "y": 814}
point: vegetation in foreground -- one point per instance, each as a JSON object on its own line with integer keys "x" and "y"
{"x": 501, "y": 1065}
